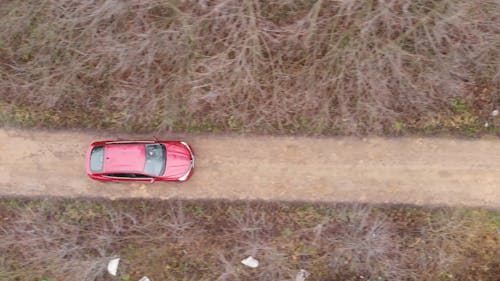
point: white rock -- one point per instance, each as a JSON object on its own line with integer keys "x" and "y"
{"x": 494, "y": 113}
{"x": 302, "y": 275}
{"x": 145, "y": 278}
{"x": 250, "y": 262}
{"x": 113, "y": 266}
{"x": 486, "y": 124}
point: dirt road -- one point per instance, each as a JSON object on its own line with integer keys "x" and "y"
{"x": 404, "y": 170}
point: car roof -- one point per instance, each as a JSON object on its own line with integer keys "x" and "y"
{"x": 124, "y": 157}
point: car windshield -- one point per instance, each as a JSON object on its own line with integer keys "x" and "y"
{"x": 156, "y": 158}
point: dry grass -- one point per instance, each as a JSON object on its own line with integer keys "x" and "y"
{"x": 173, "y": 240}
{"x": 280, "y": 66}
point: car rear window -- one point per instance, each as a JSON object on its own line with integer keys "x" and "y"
{"x": 97, "y": 159}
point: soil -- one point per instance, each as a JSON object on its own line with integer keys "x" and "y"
{"x": 420, "y": 171}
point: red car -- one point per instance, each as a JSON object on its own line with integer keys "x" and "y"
{"x": 143, "y": 161}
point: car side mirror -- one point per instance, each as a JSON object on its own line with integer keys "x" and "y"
{"x": 155, "y": 138}
{"x": 152, "y": 180}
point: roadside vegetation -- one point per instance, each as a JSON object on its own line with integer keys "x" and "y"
{"x": 277, "y": 66}
{"x": 206, "y": 240}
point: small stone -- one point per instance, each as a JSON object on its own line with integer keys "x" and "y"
{"x": 250, "y": 262}
{"x": 302, "y": 275}
{"x": 494, "y": 113}
{"x": 113, "y": 266}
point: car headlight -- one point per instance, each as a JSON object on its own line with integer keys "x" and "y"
{"x": 183, "y": 178}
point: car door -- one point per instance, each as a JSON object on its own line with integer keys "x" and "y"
{"x": 129, "y": 177}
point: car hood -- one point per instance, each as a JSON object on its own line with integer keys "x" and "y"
{"x": 178, "y": 160}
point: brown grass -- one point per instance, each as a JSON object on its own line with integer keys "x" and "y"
{"x": 279, "y": 66}
{"x": 175, "y": 240}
